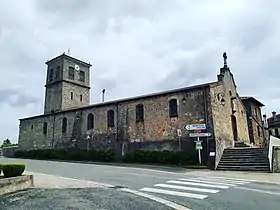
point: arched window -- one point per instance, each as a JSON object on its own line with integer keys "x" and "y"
{"x": 173, "y": 108}
{"x": 110, "y": 118}
{"x": 90, "y": 121}
{"x": 64, "y": 125}
{"x": 139, "y": 112}
{"x": 45, "y": 128}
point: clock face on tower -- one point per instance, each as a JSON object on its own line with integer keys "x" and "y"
{"x": 77, "y": 67}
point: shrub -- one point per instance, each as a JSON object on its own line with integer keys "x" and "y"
{"x": 13, "y": 169}
{"x": 159, "y": 157}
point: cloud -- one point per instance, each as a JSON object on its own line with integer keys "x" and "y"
{"x": 136, "y": 47}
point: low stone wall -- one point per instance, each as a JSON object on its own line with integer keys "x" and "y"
{"x": 12, "y": 184}
{"x": 276, "y": 159}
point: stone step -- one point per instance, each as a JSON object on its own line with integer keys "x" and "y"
{"x": 253, "y": 164}
{"x": 246, "y": 153}
{"x": 263, "y": 169}
{"x": 244, "y": 157}
{"x": 260, "y": 160}
{"x": 246, "y": 149}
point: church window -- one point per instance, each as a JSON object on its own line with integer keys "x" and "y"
{"x": 51, "y": 75}
{"x": 31, "y": 127}
{"x": 82, "y": 76}
{"x": 173, "y": 108}
{"x": 110, "y": 118}
{"x": 90, "y": 121}
{"x": 57, "y": 73}
{"x": 81, "y": 98}
{"x": 71, "y": 95}
{"x": 45, "y": 128}
{"x": 64, "y": 125}
{"x": 71, "y": 73}
{"x": 139, "y": 112}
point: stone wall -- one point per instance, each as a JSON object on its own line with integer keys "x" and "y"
{"x": 226, "y": 105}
{"x": 276, "y": 159}
{"x": 157, "y": 125}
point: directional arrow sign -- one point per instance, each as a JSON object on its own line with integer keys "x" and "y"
{"x": 196, "y": 127}
{"x": 200, "y": 134}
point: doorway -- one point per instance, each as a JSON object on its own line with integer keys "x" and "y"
{"x": 234, "y": 127}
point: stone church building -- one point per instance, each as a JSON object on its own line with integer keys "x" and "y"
{"x": 143, "y": 122}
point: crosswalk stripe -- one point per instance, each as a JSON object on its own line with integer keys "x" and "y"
{"x": 198, "y": 184}
{"x": 187, "y": 188}
{"x": 169, "y": 192}
{"x": 235, "y": 179}
{"x": 223, "y": 180}
{"x": 208, "y": 182}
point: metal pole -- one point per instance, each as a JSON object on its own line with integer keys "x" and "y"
{"x": 199, "y": 154}
{"x": 180, "y": 148}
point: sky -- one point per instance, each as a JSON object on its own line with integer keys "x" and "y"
{"x": 137, "y": 47}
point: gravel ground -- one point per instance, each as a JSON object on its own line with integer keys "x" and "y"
{"x": 76, "y": 199}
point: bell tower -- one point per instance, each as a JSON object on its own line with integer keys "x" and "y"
{"x": 67, "y": 84}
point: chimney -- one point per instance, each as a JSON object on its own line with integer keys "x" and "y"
{"x": 274, "y": 115}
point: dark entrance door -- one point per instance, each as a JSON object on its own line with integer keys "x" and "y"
{"x": 234, "y": 127}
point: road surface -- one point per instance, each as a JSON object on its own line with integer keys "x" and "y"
{"x": 183, "y": 189}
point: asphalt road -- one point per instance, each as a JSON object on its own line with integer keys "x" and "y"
{"x": 191, "y": 191}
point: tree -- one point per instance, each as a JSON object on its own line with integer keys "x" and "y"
{"x": 6, "y": 143}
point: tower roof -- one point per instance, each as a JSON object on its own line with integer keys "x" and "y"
{"x": 70, "y": 58}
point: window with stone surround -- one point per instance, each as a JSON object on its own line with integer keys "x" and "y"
{"x": 51, "y": 75}
{"x": 45, "y": 128}
{"x": 64, "y": 125}
{"x": 81, "y": 98}
{"x": 139, "y": 113}
{"x": 110, "y": 118}
{"x": 57, "y": 73}
{"x": 90, "y": 121}
{"x": 71, "y": 73}
{"x": 173, "y": 108}
{"x": 71, "y": 95}
{"x": 82, "y": 76}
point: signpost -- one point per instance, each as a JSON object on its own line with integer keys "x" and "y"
{"x": 193, "y": 127}
{"x": 197, "y": 133}
{"x": 179, "y": 133}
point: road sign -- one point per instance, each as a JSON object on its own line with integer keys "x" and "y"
{"x": 179, "y": 132}
{"x": 195, "y": 127}
{"x": 199, "y": 134}
{"x": 198, "y": 145}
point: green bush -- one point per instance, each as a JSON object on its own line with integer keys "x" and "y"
{"x": 13, "y": 169}
{"x": 71, "y": 154}
{"x": 159, "y": 157}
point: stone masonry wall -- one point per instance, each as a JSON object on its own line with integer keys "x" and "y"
{"x": 221, "y": 114}
{"x": 257, "y": 126}
{"x": 276, "y": 160}
{"x": 157, "y": 125}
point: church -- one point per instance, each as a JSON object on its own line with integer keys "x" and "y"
{"x": 156, "y": 121}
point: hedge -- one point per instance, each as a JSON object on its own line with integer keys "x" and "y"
{"x": 75, "y": 154}
{"x": 160, "y": 157}
{"x": 12, "y": 169}
{"x": 138, "y": 156}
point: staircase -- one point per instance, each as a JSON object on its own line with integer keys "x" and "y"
{"x": 244, "y": 158}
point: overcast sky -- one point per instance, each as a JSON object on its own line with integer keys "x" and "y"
{"x": 136, "y": 47}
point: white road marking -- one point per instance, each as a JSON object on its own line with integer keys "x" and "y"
{"x": 157, "y": 199}
{"x": 186, "y": 188}
{"x": 222, "y": 180}
{"x": 198, "y": 184}
{"x": 208, "y": 182}
{"x": 169, "y": 192}
{"x": 234, "y": 179}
